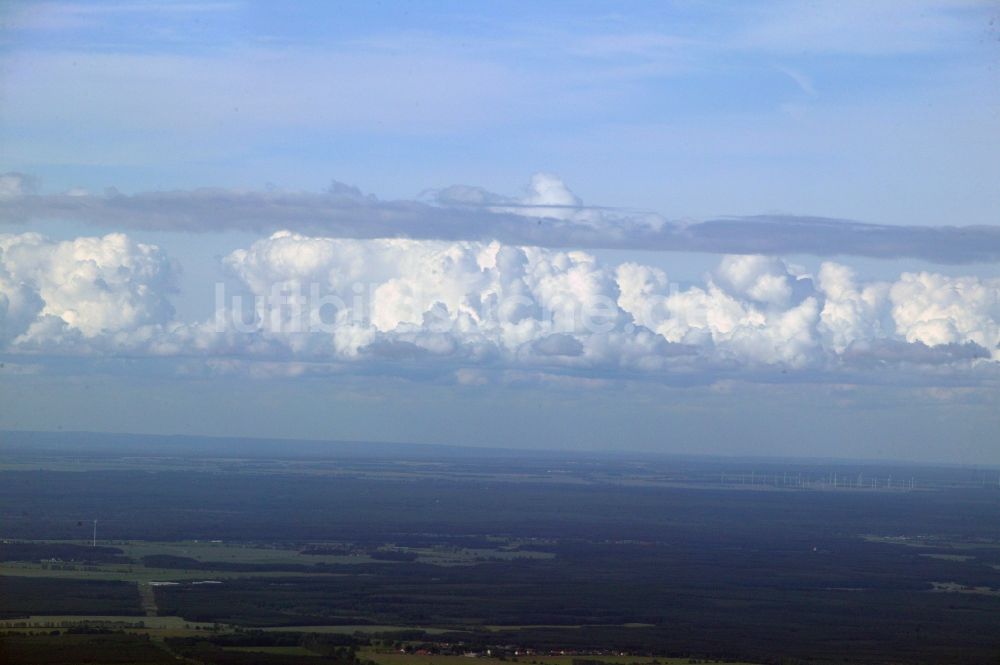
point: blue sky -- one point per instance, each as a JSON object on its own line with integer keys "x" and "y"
{"x": 848, "y": 151}
{"x": 874, "y": 111}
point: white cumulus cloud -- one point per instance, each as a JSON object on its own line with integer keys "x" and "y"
{"x": 87, "y": 287}
{"x": 446, "y": 306}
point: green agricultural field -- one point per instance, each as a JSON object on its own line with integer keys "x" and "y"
{"x": 959, "y": 558}
{"x": 239, "y": 554}
{"x": 230, "y": 553}
{"x": 497, "y": 628}
{"x": 111, "y": 621}
{"x": 275, "y": 651}
{"x": 466, "y": 556}
{"x": 135, "y": 573}
{"x": 365, "y": 629}
{"x": 932, "y": 542}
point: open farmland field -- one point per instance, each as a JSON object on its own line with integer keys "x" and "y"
{"x": 143, "y": 562}
{"x": 436, "y": 332}
{"x": 661, "y": 562}
{"x": 35, "y": 622}
{"x": 388, "y": 658}
{"x": 274, "y": 651}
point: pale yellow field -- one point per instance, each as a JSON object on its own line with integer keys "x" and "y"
{"x": 393, "y": 658}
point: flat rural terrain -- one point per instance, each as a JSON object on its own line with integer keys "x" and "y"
{"x": 248, "y": 552}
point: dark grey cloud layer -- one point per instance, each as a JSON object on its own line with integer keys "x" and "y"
{"x": 345, "y": 212}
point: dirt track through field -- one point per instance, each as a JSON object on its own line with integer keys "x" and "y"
{"x": 148, "y": 599}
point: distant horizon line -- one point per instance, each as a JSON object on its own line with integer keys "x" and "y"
{"x": 472, "y": 448}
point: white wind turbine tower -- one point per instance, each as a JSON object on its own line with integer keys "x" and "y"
{"x": 94, "y": 542}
